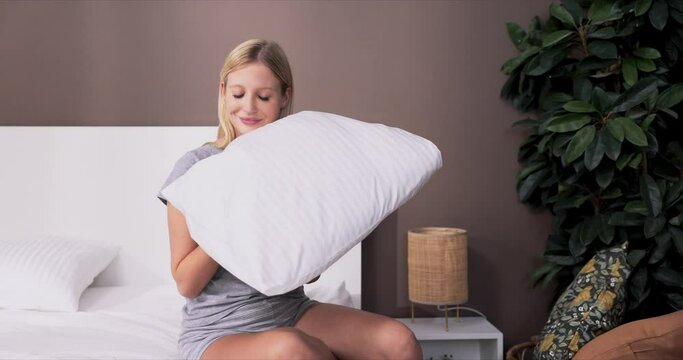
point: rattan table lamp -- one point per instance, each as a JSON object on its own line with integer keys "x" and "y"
{"x": 437, "y": 268}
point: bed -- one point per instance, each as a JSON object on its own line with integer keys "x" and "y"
{"x": 98, "y": 184}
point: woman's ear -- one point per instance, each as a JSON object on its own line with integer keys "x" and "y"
{"x": 287, "y": 96}
{"x": 221, "y": 88}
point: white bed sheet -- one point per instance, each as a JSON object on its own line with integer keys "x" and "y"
{"x": 114, "y": 322}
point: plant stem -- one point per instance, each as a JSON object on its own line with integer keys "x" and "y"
{"x": 582, "y": 36}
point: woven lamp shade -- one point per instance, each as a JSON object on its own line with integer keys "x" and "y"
{"x": 437, "y": 266}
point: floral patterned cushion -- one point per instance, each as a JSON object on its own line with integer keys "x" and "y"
{"x": 592, "y": 304}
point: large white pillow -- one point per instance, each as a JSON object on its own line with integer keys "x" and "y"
{"x": 282, "y": 203}
{"x": 49, "y": 272}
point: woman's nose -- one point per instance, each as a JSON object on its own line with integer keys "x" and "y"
{"x": 250, "y": 105}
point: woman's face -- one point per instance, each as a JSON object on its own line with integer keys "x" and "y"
{"x": 253, "y": 97}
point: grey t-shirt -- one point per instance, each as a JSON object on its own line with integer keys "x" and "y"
{"x": 227, "y": 305}
{"x": 185, "y": 163}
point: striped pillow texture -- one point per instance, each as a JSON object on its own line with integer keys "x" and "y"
{"x": 49, "y": 272}
{"x": 284, "y": 202}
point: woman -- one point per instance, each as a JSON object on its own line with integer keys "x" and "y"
{"x": 224, "y": 317}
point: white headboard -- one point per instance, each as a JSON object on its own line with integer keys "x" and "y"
{"x": 100, "y": 184}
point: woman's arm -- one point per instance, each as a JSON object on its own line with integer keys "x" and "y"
{"x": 191, "y": 267}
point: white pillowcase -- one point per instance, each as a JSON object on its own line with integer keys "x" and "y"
{"x": 49, "y": 272}
{"x": 282, "y": 203}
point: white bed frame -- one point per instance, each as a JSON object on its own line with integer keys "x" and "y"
{"x": 100, "y": 184}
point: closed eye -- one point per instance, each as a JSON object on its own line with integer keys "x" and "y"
{"x": 264, "y": 98}
{"x": 238, "y": 96}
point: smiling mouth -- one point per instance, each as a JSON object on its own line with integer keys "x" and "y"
{"x": 250, "y": 121}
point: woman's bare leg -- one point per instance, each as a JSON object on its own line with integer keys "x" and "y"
{"x": 280, "y": 343}
{"x": 356, "y": 334}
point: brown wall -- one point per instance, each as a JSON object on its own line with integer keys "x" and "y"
{"x": 431, "y": 68}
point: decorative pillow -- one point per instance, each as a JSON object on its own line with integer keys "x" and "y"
{"x": 48, "y": 272}
{"x": 282, "y": 203}
{"x": 592, "y": 304}
{"x": 653, "y": 338}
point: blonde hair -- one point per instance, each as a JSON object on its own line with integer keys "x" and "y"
{"x": 268, "y": 53}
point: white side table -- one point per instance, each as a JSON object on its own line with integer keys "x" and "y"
{"x": 468, "y": 338}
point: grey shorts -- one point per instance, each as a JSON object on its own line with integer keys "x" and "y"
{"x": 201, "y": 338}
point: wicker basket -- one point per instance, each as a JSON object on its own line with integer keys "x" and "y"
{"x": 523, "y": 351}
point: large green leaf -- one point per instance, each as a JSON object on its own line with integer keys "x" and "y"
{"x": 509, "y": 66}
{"x": 525, "y": 122}
{"x": 545, "y": 61}
{"x": 603, "y": 100}
{"x": 673, "y": 194}
{"x": 567, "y": 122}
{"x": 574, "y": 8}
{"x": 629, "y": 69}
{"x": 637, "y": 161}
{"x": 530, "y": 183}
{"x": 577, "y": 146}
{"x": 647, "y": 53}
{"x": 653, "y": 225}
{"x": 651, "y": 195}
{"x": 642, "y": 6}
{"x": 670, "y": 97}
{"x": 595, "y": 152}
{"x": 624, "y": 159}
{"x": 662, "y": 246}
{"x": 635, "y": 95}
{"x": 648, "y": 120}
{"x": 556, "y": 37}
{"x": 582, "y": 88}
{"x": 611, "y": 193}
{"x": 603, "y": 49}
{"x": 636, "y": 207}
{"x": 529, "y": 169}
{"x": 603, "y": 33}
{"x": 646, "y": 65}
{"x": 615, "y": 128}
{"x": 560, "y": 13}
{"x": 633, "y": 133}
{"x": 659, "y": 13}
{"x": 635, "y": 256}
{"x": 579, "y": 106}
{"x": 517, "y": 35}
{"x": 602, "y": 11}
{"x": 604, "y": 175}
{"x": 676, "y": 220}
{"x": 612, "y": 146}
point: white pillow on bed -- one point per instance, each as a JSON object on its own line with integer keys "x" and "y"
{"x": 49, "y": 272}
{"x": 282, "y": 203}
{"x": 331, "y": 294}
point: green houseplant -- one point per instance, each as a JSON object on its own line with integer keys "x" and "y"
{"x": 602, "y": 84}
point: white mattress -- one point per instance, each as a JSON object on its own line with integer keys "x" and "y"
{"x": 113, "y": 322}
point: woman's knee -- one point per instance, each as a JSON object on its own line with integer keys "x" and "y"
{"x": 398, "y": 341}
{"x": 291, "y": 343}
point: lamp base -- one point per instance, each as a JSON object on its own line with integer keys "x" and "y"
{"x": 445, "y": 312}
